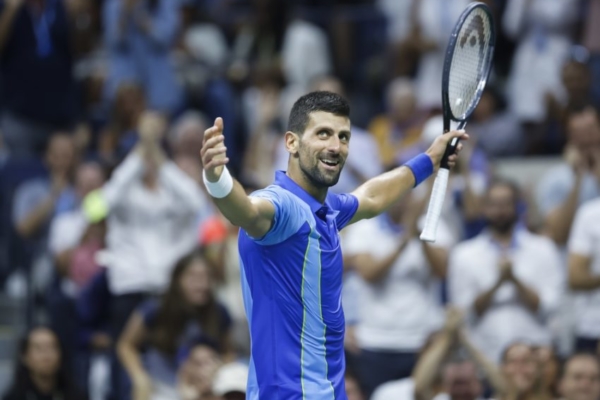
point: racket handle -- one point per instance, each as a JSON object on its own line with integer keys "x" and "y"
{"x": 451, "y": 148}
{"x": 436, "y": 202}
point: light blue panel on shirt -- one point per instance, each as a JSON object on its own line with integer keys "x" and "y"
{"x": 290, "y": 214}
{"x": 313, "y": 352}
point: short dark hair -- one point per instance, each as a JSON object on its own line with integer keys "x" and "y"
{"x": 512, "y": 185}
{"x": 316, "y": 101}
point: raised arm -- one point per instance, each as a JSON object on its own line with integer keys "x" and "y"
{"x": 254, "y": 215}
{"x": 377, "y": 194}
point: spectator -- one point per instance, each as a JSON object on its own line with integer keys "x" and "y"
{"x": 522, "y": 372}
{"x": 584, "y": 275}
{"x": 580, "y": 379}
{"x": 186, "y": 134}
{"x": 37, "y": 201}
{"x": 576, "y": 180}
{"x": 508, "y": 279}
{"x": 196, "y": 380}
{"x": 38, "y": 90}
{"x": 40, "y": 370}
{"x": 544, "y": 36}
{"x": 139, "y": 36}
{"x": 399, "y": 132}
{"x": 68, "y": 228}
{"x": 151, "y": 224}
{"x": 400, "y": 274}
{"x": 119, "y": 135}
{"x": 496, "y": 131}
{"x": 187, "y": 313}
{"x": 549, "y": 370}
{"x": 440, "y": 372}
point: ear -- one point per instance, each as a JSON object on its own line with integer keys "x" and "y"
{"x": 292, "y": 142}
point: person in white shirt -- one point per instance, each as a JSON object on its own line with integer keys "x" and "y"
{"x": 584, "y": 274}
{"x": 574, "y": 181}
{"x": 399, "y": 287}
{"x": 507, "y": 279}
{"x": 152, "y": 208}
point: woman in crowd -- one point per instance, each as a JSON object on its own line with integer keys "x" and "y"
{"x": 166, "y": 329}
{"x": 40, "y": 371}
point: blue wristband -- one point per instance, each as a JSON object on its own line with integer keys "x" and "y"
{"x": 421, "y": 167}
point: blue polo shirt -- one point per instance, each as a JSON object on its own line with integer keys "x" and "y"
{"x": 292, "y": 286}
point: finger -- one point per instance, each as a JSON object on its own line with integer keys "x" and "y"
{"x": 213, "y": 131}
{"x": 459, "y": 148}
{"x": 219, "y": 123}
{"x": 216, "y": 163}
{"x": 461, "y": 134}
{"x": 214, "y": 141}
{"x": 210, "y": 153}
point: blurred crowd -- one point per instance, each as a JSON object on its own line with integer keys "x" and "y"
{"x": 130, "y": 276}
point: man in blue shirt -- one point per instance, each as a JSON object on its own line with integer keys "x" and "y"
{"x": 289, "y": 246}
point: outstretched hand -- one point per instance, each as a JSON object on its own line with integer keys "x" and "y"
{"x": 213, "y": 152}
{"x": 438, "y": 148}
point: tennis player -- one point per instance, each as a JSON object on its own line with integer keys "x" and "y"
{"x": 289, "y": 246}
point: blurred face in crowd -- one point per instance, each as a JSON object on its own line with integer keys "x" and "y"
{"x": 187, "y": 140}
{"x": 42, "y": 356}
{"x": 520, "y": 367}
{"x": 584, "y": 131}
{"x": 500, "y": 208}
{"x": 461, "y": 382}
{"x": 581, "y": 378}
{"x": 328, "y": 84}
{"x": 191, "y": 167}
{"x": 195, "y": 282}
{"x": 402, "y": 101}
{"x": 576, "y": 79}
{"x": 200, "y": 368}
{"x": 323, "y": 148}
{"x": 60, "y": 155}
{"x": 89, "y": 177}
{"x": 353, "y": 391}
{"x": 486, "y": 107}
{"x": 130, "y": 102}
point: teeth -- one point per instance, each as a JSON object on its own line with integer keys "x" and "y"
{"x": 329, "y": 162}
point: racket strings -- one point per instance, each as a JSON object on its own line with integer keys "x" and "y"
{"x": 470, "y": 62}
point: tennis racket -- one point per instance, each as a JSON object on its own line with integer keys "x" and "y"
{"x": 467, "y": 65}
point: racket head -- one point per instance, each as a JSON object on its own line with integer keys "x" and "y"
{"x": 467, "y": 63}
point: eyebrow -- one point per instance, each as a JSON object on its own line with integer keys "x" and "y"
{"x": 331, "y": 130}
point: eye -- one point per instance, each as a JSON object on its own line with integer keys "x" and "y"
{"x": 344, "y": 137}
{"x": 323, "y": 134}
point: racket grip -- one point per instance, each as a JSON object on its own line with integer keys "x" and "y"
{"x": 436, "y": 202}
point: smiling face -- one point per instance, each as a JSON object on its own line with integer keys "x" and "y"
{"x": 321, "y": 150}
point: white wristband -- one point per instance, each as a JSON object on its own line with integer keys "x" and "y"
{"x": 220, "y": 188}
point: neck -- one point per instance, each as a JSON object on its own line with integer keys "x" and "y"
{"x": 44, "y": 384}
{"x": 504, "y": 238}
{"x": 296, "y": 174}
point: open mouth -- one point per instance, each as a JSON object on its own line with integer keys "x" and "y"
{"x": 330, "y": 164}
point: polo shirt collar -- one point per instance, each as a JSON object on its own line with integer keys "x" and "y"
{"x": 321, "y": 210}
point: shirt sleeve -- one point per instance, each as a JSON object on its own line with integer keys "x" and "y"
{"x": 27, "y": 198}
{"x": 552, "y": 191}
{"x": 581, "y": 239}
{"x": 288, "y": 216}
{"x": 346, "y": 205}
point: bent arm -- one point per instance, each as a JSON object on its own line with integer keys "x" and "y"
{"x": 580, "y": 277}
{"x": 377, "y": 194}
{"x": 128, "y": 346}
{"x": 254, "y": 215}
{"x": 558, "y": 222}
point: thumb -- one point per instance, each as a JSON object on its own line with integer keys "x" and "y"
{"x": 219, "y": 123}
{"x": 460, "y": 134}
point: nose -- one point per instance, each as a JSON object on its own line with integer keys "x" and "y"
{"x": 334, "y": 145}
